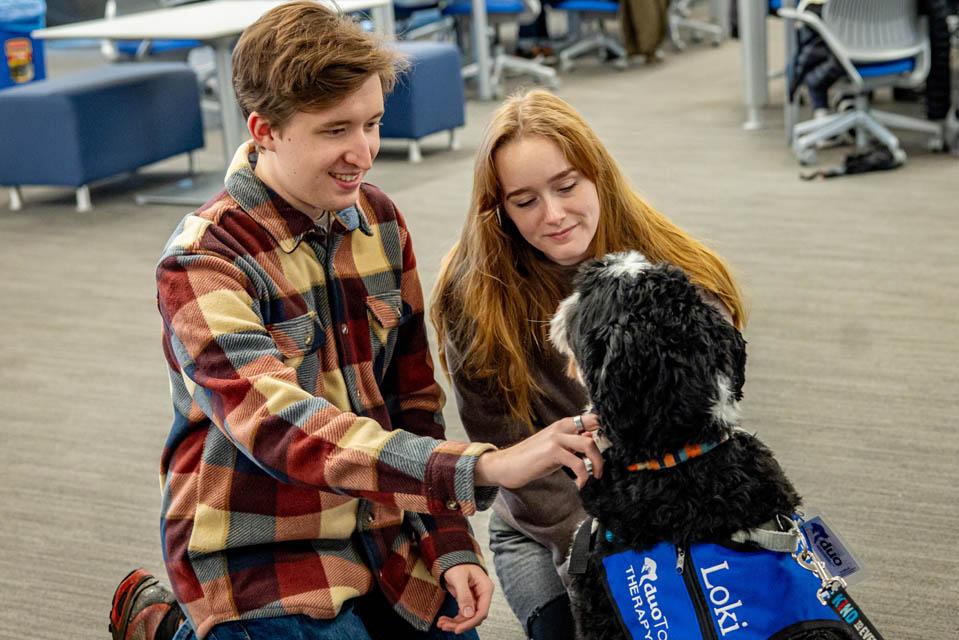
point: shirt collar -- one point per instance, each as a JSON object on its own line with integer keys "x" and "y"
{"x": 286, "y": 224}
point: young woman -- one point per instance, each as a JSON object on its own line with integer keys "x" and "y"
{"x": 547, "y": 195}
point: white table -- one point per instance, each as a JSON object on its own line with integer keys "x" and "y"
{"x": 217, "y": 23}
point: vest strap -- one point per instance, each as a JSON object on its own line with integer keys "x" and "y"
{"x": 770, "y": 536}
{"x": 582, "y": 545}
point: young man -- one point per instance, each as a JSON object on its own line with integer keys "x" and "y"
{"x": 306, "y": 490}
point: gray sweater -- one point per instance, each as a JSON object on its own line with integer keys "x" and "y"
{"x": 546, "y": 510}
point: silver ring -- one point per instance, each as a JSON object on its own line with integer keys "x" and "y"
{"x": 589, "y": 466}
{"x": 578, "y": 422}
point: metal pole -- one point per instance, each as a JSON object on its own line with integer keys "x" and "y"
{"x": 752, "y": 36}
{"x": 719, "y": 12}
{"x": 234, "y": 126}
{"x": 383, "y": 21}
{"x": 790, "y": 110}
{"x": 480, "y": 40}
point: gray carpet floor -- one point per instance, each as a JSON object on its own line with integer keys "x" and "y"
{"x": 854, "y": 337}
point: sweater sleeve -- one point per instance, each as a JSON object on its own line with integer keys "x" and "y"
{"x": 483, "y": 410}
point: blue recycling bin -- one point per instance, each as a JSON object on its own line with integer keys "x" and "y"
{"x": 22, "y": 56}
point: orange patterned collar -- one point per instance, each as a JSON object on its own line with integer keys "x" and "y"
{"x": 672, "y": 459}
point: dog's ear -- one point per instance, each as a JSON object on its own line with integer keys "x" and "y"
{"x": 559, "y": 333}
{"x": 737, "y": 362}
{"x": 560, "y": 322}
{"x": 730, "y": 365}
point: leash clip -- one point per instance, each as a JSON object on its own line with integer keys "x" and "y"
{"x": 810, "y": 562}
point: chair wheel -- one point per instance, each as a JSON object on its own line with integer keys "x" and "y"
{"x": 952, "y": 145}
{"x": 936, "y": 145}
{"x": 845, "y": 104}
{"x": 806, "y": 157}
{"x": 952, "y": 130}
{"x": 899, "y": 155}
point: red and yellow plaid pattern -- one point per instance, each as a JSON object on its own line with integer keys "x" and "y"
{"x": 304, "y": 460}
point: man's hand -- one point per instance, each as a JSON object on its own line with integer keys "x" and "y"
{"x": 561, "y": 444}
{"x": 473, "y": 590}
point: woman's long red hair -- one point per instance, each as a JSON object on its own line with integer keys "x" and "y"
{"x": 495, "y": 296}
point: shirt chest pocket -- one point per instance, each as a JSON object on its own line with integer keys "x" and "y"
{"x": 298, "y": 337}
{"x": 385, "y": 312}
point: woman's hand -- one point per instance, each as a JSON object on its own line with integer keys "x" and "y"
{"x": 558, "y": 445}
{"x": 473, "y": 591}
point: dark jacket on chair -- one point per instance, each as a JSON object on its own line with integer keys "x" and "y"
{"x": 643, "y": 25}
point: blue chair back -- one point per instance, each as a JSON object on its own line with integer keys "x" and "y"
{"x": 589, "y": 6}
{"x": 493, "y": 7}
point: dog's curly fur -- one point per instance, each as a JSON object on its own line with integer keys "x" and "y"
{"x": 663, "y": 369}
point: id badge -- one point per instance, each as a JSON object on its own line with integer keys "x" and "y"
{"x": 830, "y": 548}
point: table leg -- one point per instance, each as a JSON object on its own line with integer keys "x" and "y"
{"x": 719, "y": 12}
{"x": 481, "y": 50}
{"x": 199, "y": 188}
{"x": 234, "y": 126}
{"x": 752, "y": 36}
{"x": 383, "y": 20}
{"x": 790, "y": 110}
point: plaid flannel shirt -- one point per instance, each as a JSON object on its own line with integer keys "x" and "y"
{"x": 304, "y": 461}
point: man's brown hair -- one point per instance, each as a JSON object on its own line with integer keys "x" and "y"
{"x": 304, "y": 56}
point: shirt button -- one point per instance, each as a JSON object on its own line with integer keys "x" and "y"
{"x": 369, "y": 518}
{"x": 452, "y": 505}
{"x": 344, "y": 329}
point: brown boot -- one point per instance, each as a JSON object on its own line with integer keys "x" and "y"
{"x": 143, "y": 609}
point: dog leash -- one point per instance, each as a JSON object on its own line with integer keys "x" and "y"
{"x": 784, "y": 535}
{"x": 833, "y": 592}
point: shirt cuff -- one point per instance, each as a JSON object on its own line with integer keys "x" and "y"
{"x": 452, "y": 559}
{"x": 450, "y": 480}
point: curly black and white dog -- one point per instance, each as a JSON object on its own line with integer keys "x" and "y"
{"x": 665, "y": 370}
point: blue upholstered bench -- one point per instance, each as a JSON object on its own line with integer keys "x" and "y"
{"x": 72, "y": 130}
{"x": 428, "y": 97}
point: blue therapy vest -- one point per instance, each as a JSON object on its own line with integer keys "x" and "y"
{"x": 723, "y": 592}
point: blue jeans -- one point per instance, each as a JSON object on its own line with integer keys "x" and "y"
{"x": 348, "y": 625}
